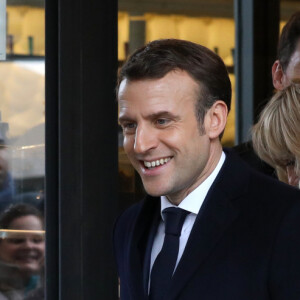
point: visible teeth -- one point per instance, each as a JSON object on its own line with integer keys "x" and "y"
{"x": 156, "y": 163}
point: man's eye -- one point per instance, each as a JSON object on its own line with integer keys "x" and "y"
{"x": 128, "y": 127}
{"x": 161, "y": 121}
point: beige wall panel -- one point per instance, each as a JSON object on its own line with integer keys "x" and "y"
{"x": 161, "y": 27}
{"x": 194, "y": 29}
{"x": 25, "y": 21}
{"x": 221, "y": 35}
{"x": 123, "y": 34}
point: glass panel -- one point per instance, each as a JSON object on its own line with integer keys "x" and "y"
{"x": 22, "y": 153}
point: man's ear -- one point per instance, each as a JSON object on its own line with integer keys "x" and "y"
{"x": 278, "y": 76}
{"x": 216, "y": 119}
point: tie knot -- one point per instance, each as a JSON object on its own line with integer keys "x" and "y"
{"x": 174, "y": 218}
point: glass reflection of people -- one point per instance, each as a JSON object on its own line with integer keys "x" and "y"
{"x": 6, "y": 182}
{"x": 276, "y": 136}
{"x": 21, "y": 253}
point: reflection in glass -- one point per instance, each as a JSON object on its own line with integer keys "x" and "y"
{"x": 22, "y": 137}
{"x": 22, "y": 152}
{"x": 22, "y": 251}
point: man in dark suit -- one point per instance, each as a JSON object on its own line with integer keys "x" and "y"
{"x": 211, "y": 227}
{"x": 286, "y": 69}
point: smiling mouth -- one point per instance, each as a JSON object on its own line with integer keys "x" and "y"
{"x": 27, "y": 257}
{"x": 156, "y": 163}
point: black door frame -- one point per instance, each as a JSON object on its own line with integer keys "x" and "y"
{"x": 256, "y": 33}
{"x": 81, "y": 148}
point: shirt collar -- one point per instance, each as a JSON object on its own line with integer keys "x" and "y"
{"x": 194, "y": 200}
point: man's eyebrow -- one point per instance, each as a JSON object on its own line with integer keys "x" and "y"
{"x": 163, "y": 114}
{"x": 124, "y": 119}
{"x": 153, "y": 116}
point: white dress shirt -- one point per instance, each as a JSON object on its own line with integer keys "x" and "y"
{"x": 191, "y": 203}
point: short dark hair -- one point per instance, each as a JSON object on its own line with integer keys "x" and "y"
{"x": 16, "y": 211}
{"x": 159, "y": 57}
{"x": 288, "y": 40}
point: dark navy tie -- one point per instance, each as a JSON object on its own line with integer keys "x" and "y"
{"x": 164, "y": 265}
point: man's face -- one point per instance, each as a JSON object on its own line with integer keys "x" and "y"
{"x": 282, "y": 79}
{"x": 292, "y": 72}
{"x": 161, "y": 134}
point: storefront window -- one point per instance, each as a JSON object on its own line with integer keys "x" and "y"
{"x": 22, "y": 152}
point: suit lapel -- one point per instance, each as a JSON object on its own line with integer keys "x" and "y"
{"x": 148, "y": 250}
{"x": 216, "y": 215}
{"x": 139, "y": 246}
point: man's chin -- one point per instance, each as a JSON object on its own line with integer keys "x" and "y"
{"x": 154, "y": 192}
{"x": 157, "y": 186}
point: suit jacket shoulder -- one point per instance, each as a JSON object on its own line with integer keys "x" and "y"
{"x": 247, "y": 153}
{"x": 123, "y": 228}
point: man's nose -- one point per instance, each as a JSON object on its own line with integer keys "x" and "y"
{"x": 145, "y": 140}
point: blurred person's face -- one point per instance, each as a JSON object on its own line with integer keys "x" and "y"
{"x": 26, "y": 250}
{"x": 282, "y": 79}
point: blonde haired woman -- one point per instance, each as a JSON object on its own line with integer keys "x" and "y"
{"x": 276, "y": 136}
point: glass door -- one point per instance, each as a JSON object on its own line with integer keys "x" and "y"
{"x": 22, "y": 152}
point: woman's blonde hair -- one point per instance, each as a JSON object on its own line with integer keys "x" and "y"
{"x": 276, "y": 136}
